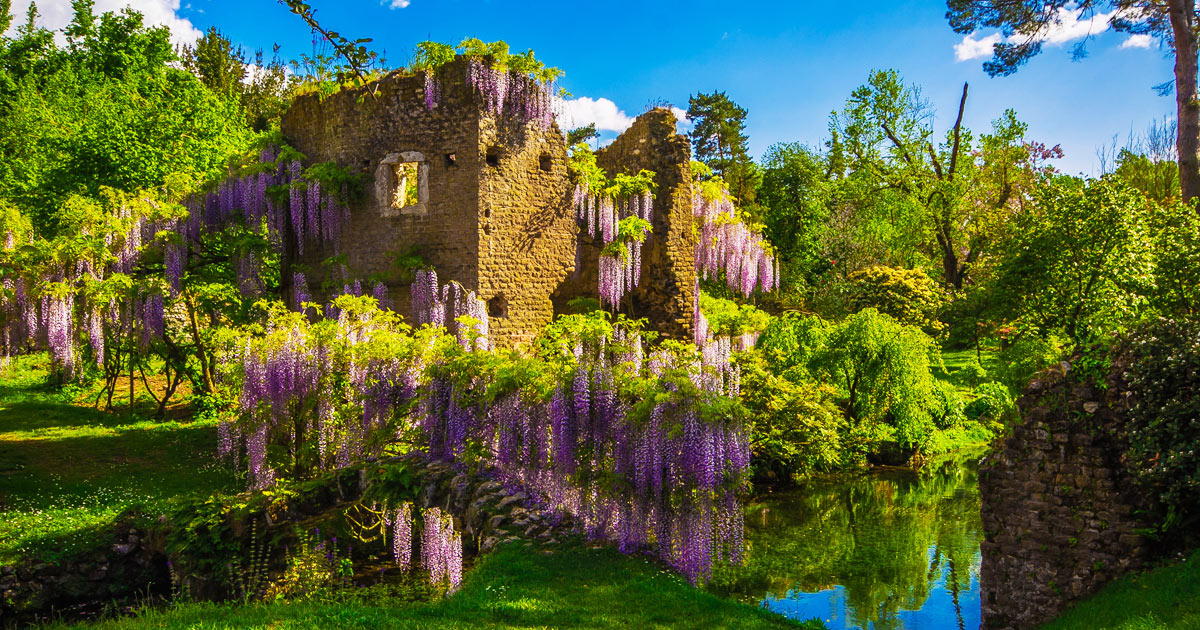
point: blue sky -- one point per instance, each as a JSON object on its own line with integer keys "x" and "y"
{"x": 789, "y": 64}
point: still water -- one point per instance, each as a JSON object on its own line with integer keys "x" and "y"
{"x": 881, "y": 551}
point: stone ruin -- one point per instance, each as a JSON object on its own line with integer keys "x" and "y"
{"x": 486, "y": 200}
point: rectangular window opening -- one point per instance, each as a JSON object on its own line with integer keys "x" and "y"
{"x": 407, "y": 189}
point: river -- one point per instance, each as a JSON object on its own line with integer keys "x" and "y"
{"x": 883, "y": 550}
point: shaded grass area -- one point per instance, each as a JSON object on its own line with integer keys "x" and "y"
{"x": 67, "y": 469}
{"x": 1167, "y": 598}
{"x": 960, "y": 369}
{"x": 514, "y": 587}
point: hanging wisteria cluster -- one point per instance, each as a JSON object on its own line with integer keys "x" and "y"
{"x": 297, "y": 380}
{"x": 667, "y": 482}
{"x": 441, "y": 548}
{"x": 310, "y": 213}
{"x": 275, "y": 201}
{"x": 512, "y": 93}
{"x": 443, "y": 308}
{"x": 398, "y": 524}
{"x": 440, "y": 544}
{"x": 727, "y": 245}
{"x": 433, "y": 89}
{"x": 600, "y": 216}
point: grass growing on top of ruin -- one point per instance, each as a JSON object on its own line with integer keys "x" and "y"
{"x": 67, "y": 469}
{"x": 515, "y": 586}
{"x": 1166, "y": 598}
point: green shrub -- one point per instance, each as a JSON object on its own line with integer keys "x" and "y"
{"x": 908, "y": 295}
{"x": 1164, "y": 417}
{"x": 726, "y": 317}
{"x": 881, "y": 368}
{"x": 995, "y": 402}
{"x": 1017, "y": 362}
{"x": 797, "y": 428}
{"x": 973, "y": 373}
{"x": 948, "y": 410}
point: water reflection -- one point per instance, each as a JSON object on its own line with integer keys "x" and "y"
{"x": 884, "y": 551}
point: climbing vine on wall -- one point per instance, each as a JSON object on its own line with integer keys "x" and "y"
{"x": 619, "y": 212}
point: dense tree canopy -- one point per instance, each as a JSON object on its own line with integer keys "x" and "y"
{"x": 107, "y": 110}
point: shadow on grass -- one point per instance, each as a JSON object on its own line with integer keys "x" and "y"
{"x": 514, "y": 587}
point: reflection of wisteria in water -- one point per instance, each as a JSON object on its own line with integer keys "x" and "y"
{"x": 885, "y": 551}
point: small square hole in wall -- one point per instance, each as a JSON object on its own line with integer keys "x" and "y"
{"x": 497, "y": 306}
{"x": 544, "y": 162}
{"x": 493, "y": 156}
{"x": 406, "y": 190}
{"x": 451, "y": 160}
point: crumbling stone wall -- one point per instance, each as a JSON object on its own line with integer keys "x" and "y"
{"x": 133, "y": 566}
{"x": 359, "y": 132}
{"x": 503, "y": 228}
{"x": 667, "y": 288}
{"x": 495, "y": 211}
{"x": 126, "y": 572}
{"x": 1058, "y": 505}
{"x": 526, "y": 230}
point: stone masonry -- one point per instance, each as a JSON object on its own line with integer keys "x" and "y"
{"x": 668, "y": 280}
{"x": 494, "y": 202}
{"x": 1059, "y": 509}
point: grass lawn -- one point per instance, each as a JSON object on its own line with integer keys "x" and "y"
{"x": 1167, "y": 598}
{"x": 66, "y": 469}
{"x": 514, "y": 587}
{"x": 957, "y": 374}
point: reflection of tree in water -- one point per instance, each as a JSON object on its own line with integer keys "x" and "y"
{"x": 872, "y": 534}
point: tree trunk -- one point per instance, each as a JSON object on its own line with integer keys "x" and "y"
{"x": 1187, "y": 140}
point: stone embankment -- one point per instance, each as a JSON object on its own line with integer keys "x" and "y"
{"x": 153, "y": 557}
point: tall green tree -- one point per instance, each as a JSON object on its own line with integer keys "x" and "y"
{"x": 107, "y": 110}
{"x": 258, "y": 84}
{"x": 719, "y": 140}
{"x": 794, "y": 195}
{"x": 1080, "y": 263}
{"x": 1024, "y": 24}
{"x": 962, "y": 188}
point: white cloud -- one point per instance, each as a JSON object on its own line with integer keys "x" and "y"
{"x": 579, "y": 112}
{"x": 55, "y": 14}
{"x": 1068, "y": 25}
{"x": 397, "y": 4}
{"x": 971, "y": 48}
{"x": 1137, "y": 41}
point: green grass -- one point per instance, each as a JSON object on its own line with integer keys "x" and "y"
{"x": 1167, "y": 598}
{"x": 514, "y": 587}
{"x": 957, "y": 373}
{"x": 67, "y": 469}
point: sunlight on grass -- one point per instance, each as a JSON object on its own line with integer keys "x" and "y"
{"x": 66, "y": 471}
{"x": 1167, "y": 598}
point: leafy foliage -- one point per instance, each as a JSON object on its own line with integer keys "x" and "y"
{"x": 876, "y": 371}
{"x": 1164, "y": 376}
{"x": 907, "y": 295}
{"x": 719, "y": 141}
{"x": 108, "y": 110}
{"x": 1097, "y": 283}
{"x": 430, "y": 56}
{"x": 726, "y": 317}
